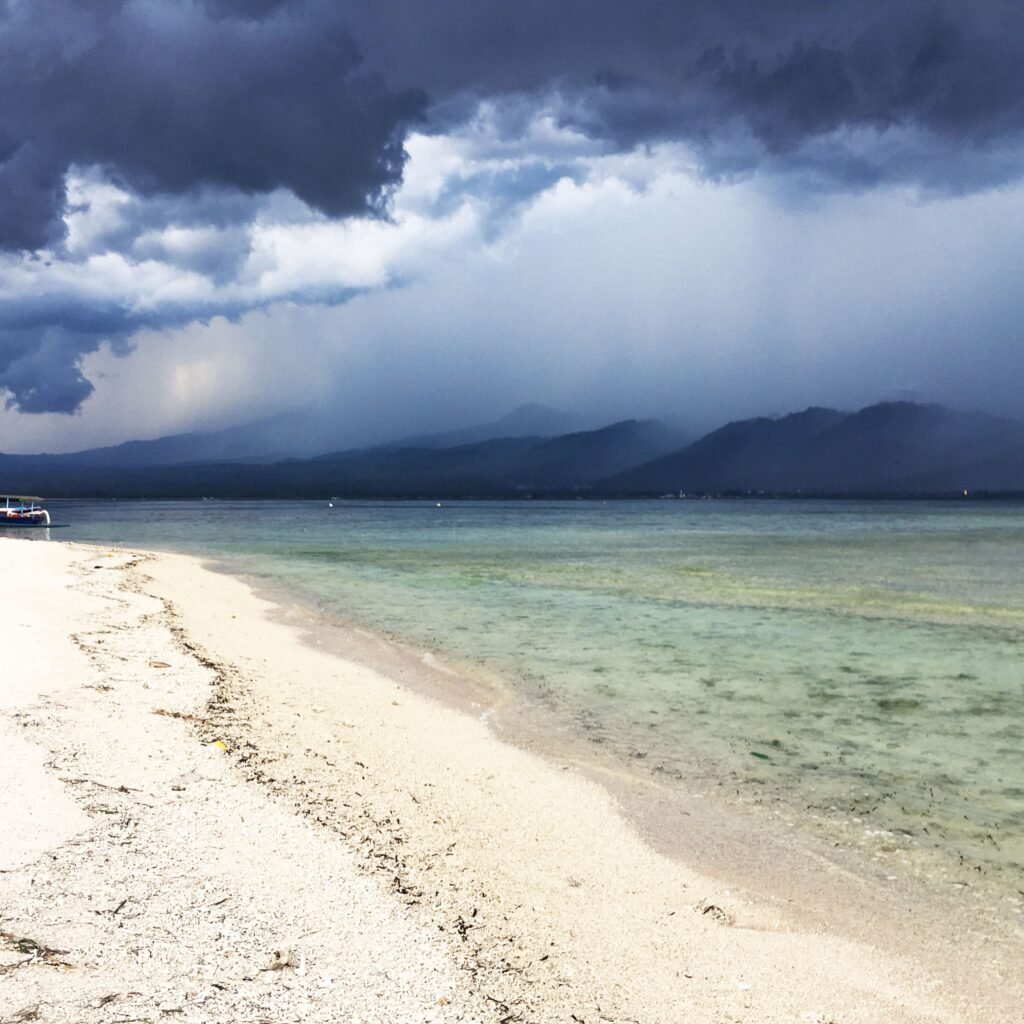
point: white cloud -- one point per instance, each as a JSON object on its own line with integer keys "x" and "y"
{"x": 96, "y": 209}
{"x": 623, "y": 283}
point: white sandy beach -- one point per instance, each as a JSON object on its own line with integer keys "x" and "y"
{"x": 206, "y": 817}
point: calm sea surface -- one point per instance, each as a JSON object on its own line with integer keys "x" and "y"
{"x": 849, "y": 662}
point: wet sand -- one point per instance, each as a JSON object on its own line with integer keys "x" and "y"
{"x": 243, "y": 825}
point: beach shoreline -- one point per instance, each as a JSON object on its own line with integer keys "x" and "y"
{"x": 697, "y": 812}
{"x": 518, "y": 882}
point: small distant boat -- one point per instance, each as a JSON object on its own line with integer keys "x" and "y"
{"x": 22, "y": 510}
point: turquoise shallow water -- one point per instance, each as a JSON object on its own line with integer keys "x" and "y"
{"x": 846, "y": 661}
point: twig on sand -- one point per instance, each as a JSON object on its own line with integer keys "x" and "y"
{"x": 116, "y": 910}
{"x": 101, "y": 785}
{"x": 183, "y": 715}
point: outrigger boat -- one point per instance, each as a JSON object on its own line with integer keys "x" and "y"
{"x": 22, "y": 510}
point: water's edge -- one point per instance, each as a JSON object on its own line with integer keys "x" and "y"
{"x": 825, "y": 878}
{"x": 843, "y": 678}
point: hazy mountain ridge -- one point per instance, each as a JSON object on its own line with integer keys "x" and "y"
{"x": 499, "y": 466}
{"x": 529, "y": 420}
{"x": 266, "y": 440}
{"x": 294, "y": 434}
{"x": 744, "y": 454}
{"x": 496, "y": 467}
{"x": 582, "y": 458}
{"x": 889, "y": 448}
{"x": 892, "y": 447}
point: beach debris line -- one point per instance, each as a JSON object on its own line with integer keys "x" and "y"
{"x": 26, "y": 1013}
{"x": 33, "y": 952}
{"x": 381, "y": 840}
{"x": 185, "y": 716}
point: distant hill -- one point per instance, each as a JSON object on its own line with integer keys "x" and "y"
{"x": 478, "y": 469}
{"x": 270, "y": 439}
{"x": 491, "y": 468}
{"x": 530, "y": 420}
{"x": 579, "y": 459}
{"x": 300, "y": 433}
{"x": 892, "y": 447}
{"x": 745, "y": 454}
{"x": 496, "y": 466}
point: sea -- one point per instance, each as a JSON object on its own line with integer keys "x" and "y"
{"x": 857, "y": 666}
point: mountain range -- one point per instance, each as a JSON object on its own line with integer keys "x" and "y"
{"x": 299, "y": 433}
{"x": 892, "y": 448}
{"x": 889, "y": 448}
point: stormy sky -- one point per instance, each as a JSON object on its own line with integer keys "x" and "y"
{"x": 421, "y": 213}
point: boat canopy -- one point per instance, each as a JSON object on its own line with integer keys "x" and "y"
{"x": 19, "y": 497}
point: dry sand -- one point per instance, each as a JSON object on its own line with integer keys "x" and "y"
{"x": 205, "y": 818}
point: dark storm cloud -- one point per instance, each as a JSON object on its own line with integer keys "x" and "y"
{"x": 43, "y": 340}
{"x": 170, "y": 97}
{"x": 784, "y": 73}
{"x": 203, "y": 109}
{"x": 41, "y": 371}
{"x": 205, "y": 102}
{"x": 244, "y": 8}
{"x": 314, "y": 96}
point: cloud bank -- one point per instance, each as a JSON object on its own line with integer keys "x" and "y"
{"x": 163, "y": 163}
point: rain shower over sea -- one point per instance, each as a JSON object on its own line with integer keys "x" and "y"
{"x": 853, "y": 662}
